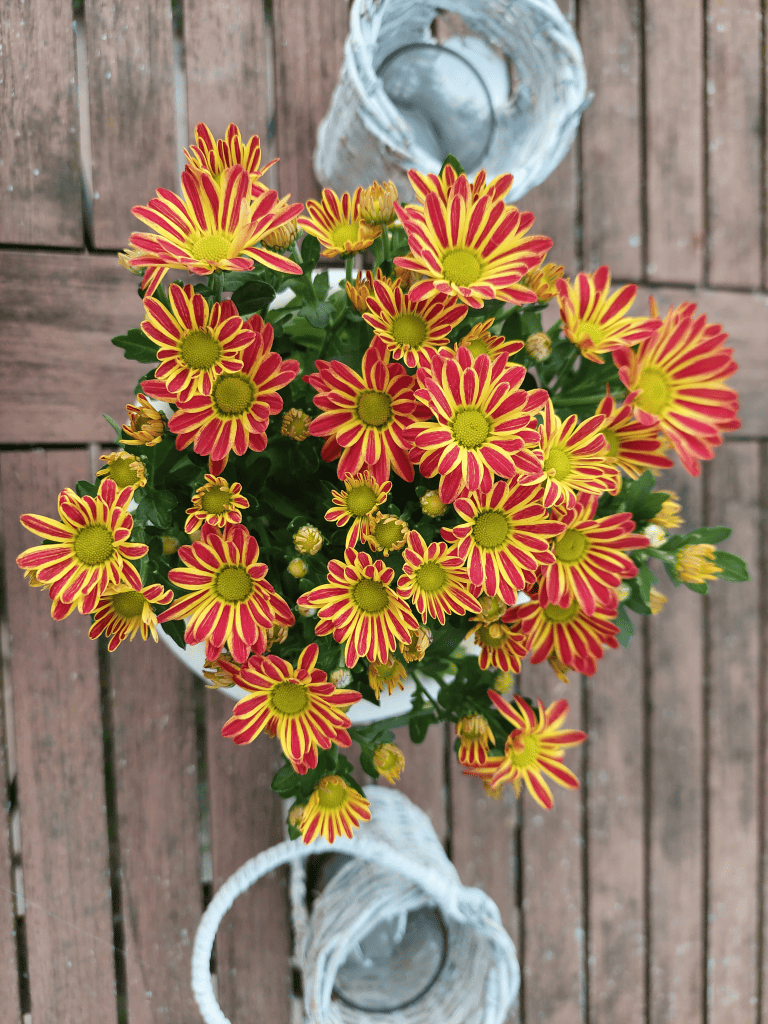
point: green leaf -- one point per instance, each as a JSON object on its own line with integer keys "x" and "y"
{"x": 117, "y": 429}
{"x": 626, "y": 629}
{"x": 645, "y": 580}
{"x": 734, "y": 568}
{"x": 704, "y": 535}
{"x": 319, "y": 315}
{"x": 418, "y": 727}
{"x": 231, "y": 280}
{"x": 86, "y": 487}
{"x": 253, "y": 297}
{"x": 366, "y": 763}
{"x": 175, "y": 630}
{"x": 310, "y": 253}
{"x": 136, "y": 345}
{"x": 451, "y": 159}
{"x": 286, "y": 782}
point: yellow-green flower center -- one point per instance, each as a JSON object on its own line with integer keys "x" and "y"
{"x": 344, "y": 233}
{"x": 571, "y": 546}
{"x": 200, "y": 350}
{"x": 120, "y": 471}
{"x": 491, "y": 530}
{"x": 331, "y": 793}
{"x": 558, "y": 463}
{"x": 470, "y": 428}
{"x": 523, "y": 750}
{"x": 233, "y": 584}
{"x": 361, "y": 500}
{"x": 461, "y": 267}
{"x": 478, "y": 347}
{"x": 370, "y": 596}
{"x": 613, "y": 441}
{"x": 656, "y": 391}
{"x": 554, "y": 613}
{"x": 374, "y": 408}
{"x": 233, "y": 394}
{"x": 388, "y": 533}
{"x": 289, "y": 698}
{"x": 431, "y": 577}
{"x": 409, "y": 330}
{"x": 211, "y": 248}
{"x": 215, "y": 501}
{"x": 128, "y": 604}
{"x": 597, "y": 333}
{"x": 486, "y": 638}
{"x": 94, "y": 545}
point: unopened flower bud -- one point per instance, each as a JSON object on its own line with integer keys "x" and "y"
{"x": 308, "y": 540}
{"x": 297, "y": 567}
{"x": 296, "y": 425}
{"x": 282, "y": 237}
{"x": 656, "y": 601}
{"x": 655, "y": 534}
{"x": 539, "y": 346}
{"x": 431, "y": 505}
{"x": 294, "y": 815}
{"x": 341, "y": 678}
{"x": 389, "y": 761}
{"x": 170, "y": 545}
{"x": 695, "y": 563}
{"x": 622, "y": 592}
{"x": 377, "y": 203}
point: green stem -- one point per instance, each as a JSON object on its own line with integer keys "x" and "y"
{"x": 385, "y": 245}
{"x": 215, "y": 282}
{"x": 349, "y": 269}
{"x": 562, "y": 399}
{"x": 423, "y": 691}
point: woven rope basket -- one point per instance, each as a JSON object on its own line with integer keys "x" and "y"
{"x": 397, "y": 865}
{"x": 365, "y": 137}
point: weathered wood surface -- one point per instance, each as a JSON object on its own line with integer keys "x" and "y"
{"x": 10, "y": 1007}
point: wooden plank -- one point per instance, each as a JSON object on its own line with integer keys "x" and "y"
{"x": 131, "y": 98}
{"x": 154, "y": 726}
{"x": 611, "y": 138}
{"x": 735, "y": 135}
{"x": 674, "y": 134}
{"x": 40, "y": 198}
{"x": 423, "y": 778}
{"x": 733, "y": 487}
{"x": 229, "y": 58}
{"x": 675, "y": 765}
{"x": 58, "y": 726}
{"x": 615, "y": 837}
{"x": 10, "y": 1009}
{"x": 309, "y": 46}
{"x": 253, "y": 943}
{"x": 552, "y": 878}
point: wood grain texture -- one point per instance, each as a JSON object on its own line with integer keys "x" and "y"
{"x": 153, "y": 718}
{"x": 40, "y": 199}
{"x": 10, "y": 1010}
{"x": 58, "y": 726}
{"x": 552, "y": 878}
{"x": 735, "y": 137}
{"x": 611, "y": 137}
{"x": 675, "y": 764}
{"x": 615, "y": 836}
{"x": 253, "y": 942}
{"x": 674, "y": 139}
{"x": 423, "y": 778}
{"x": 132, "y": 108}
{"x": 733, "y": 484}
{"x": 309, "y": 46}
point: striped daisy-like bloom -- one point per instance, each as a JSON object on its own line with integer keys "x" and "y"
{"x": 575, "y": 639}
{"x": 217, "y": 503}
{"x": 334, "y": 809}
{"x": 337, "y": 223}
{"x": 632, "y": 446}
{"x": 504, "y": 539}
{"x": 298, "y": 705}
{"x": 215, "y": 155}
{"x": 361, "y": 496}
{"x": 442, "y": 185}
{"x": 146, "y": 424}
{"x": 485, "y": 423}
{"x": 589, "y": 560}
{"x": 474, "y": 734}
{"x": 195, "y": 343}
{"x": 411, "y": 330}
{"x": 474, "y": 248}
{"x": 535, "y": 748}
{"x": 596, "y": 321}
{"x": 576, "y": 458}
{"x": 479, "y": 341}
{"x": 230, "y": 602}
{"x": 503, "y": 645}
{"x": 543, "y": 280}
{"x": 358, "y": 606}
{"x": 434, "y": 580}
{"x": 88, "y": 551}
{"x": 365, "y": 417}
{"x": 678, "y": 377}
{"x": 122, "y": 612}
{"x": 215, "y": 226}
{"x": 125, "y": 468}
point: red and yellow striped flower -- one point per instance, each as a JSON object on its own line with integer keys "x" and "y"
{"x": 146, "y": 423}
{"x": 215, "y": 155}
{"x": 474, "y": 734}
{"x": 589, "y": 560}
{"x": 298, "y": 705}
{"x": 484, "y": 425}
{"x": 576, "y": 458}
{"x": 336, "y": 223}
{"x": 215, "y": 226}
{"x": 195, "y": 343}
{"x": 365, "y": 417}
{"x": 486, "y": 772}
{"x": 679, "y": 374}
{"x": 361, "y": 496}
{"x": 632, "y": 446}
{"x": 122, "y": 612}
{"x": 479, "y": 341}
{"x": 574, "y": 638}
{"x": 503, "y": 645}
{"x": 504, "y": 540}
{"x": 543, "y": 280}
{"x": 535, "y": 748}
{"x": 334, "y": 809}
{"x": 235, "y": 416}
{"x": 411, "y": 330}
{"x": 434, "y": 580}
{"x": 217, "y": 503}
{"x": 230, "y": 604}
{"x": 475, "y": 248}
{"x": 358, "y": 606}
{"x": 125, "y": 468}
{"x": 89, "y": 550}
{"x": 597, "y": 321}
{"x": 442, "y": 185}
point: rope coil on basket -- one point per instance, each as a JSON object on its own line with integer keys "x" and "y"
{"x": 480, "y": 977}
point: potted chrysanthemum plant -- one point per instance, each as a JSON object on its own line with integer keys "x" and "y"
{"x": 333, "y": 490}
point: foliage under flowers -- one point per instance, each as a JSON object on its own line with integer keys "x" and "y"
{"x": 444, "y": 466}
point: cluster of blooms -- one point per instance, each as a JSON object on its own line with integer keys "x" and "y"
{"x": 526, "y": 551}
